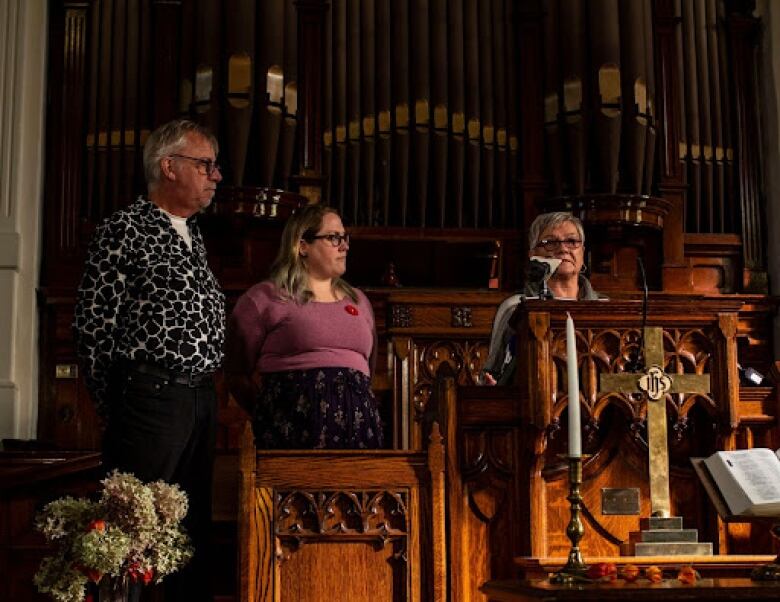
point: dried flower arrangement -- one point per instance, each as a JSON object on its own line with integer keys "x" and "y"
{"x": 133, "y": 533}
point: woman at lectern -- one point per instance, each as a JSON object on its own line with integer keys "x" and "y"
{"x": 556, "y": 251}
{"x": 309, "y": 338}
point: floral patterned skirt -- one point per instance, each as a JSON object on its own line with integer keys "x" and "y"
{"x": 320, "y": 408}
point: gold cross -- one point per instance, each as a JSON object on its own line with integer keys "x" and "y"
{"x": 655, "y": 384}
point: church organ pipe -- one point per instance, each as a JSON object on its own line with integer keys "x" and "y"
{"x": 339, "y": 8}
{"x": 511, "y": 115}
{"x": 705, "y": 131}
{"x": 486, "y": 105}
{"x": 66, "y": 185}
{"x": 186, "y": 60}
{"x": 681, "y": 98}
{"x": 573, "y": 49}
{"x": 605, "y": 78}
{"x": 327, "y": 110}
{"x": 96, "y": 127}
{"x": 456, "y": 97}
{"x": 719, "y": 177}
{"x": 116, "y": 142}
{"x": 384, "y": 109}
{"x": 651, "y": 135}
{"x": 125, "y": 103}
{"x": 368, "y": 103}
{"x": 205, "y": 98}
{"x": 439, "y": 102}
{"x": 270, "y": 85}
{"x": 240, "y": 51}
{"x": 166, "y": 41}
{"x": 400, "y": 73}
{"x": 552, "y": 105}
{"x": 442, "y": 109}
{"x": 354, "y": 159}
{"x": 634, "y": 94}
{"x": 419, "y": 21}
{"x": 289, "y": 125}
{"x": 691, "y": 96}
{"x": 104, "y": 132}
{"x": 742, "y": 30}
{"x": 499, "y": 83}
{"x": 145, "y": 122}
{"x": 725, "y": 126}
{"x": 473, "y": 123}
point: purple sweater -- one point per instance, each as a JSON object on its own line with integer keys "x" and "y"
{"x": 270, "y": 334}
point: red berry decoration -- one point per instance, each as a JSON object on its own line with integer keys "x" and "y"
{"x": 351, "y": 310}
{"x": 602, "y": 571}
{"x": 688, "y": 575}
{"x": 630, "y": 573}
{"x": 654, "y": 574}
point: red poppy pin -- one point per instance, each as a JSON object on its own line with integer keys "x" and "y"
{"x": 351, "y": 310}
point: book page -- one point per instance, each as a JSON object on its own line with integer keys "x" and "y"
{"x": 758, "y": 472}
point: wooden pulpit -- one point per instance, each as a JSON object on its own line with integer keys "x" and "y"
{"x": 508, "y": 479}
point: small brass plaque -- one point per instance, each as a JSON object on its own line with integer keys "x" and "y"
{"x": 66, "y": 371}
{"x": 620, "y": 501}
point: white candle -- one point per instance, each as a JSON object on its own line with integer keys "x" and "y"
{"x": 575, "y": 437}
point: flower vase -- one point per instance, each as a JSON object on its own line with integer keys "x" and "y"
{"x": 114, "y": 590}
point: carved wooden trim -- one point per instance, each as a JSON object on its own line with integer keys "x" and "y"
{"x": 608, "y": 350}
{"x": 374, "y": 515}
{"x": 461, "y": 317}
{"x": 402, "y": 316}
{"x": 487, "y": 468}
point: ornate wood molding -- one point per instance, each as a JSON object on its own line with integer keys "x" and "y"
{"x": 374, "y": 515}
{"x": 461, "y": 317}
{"x": 401, "y": 316}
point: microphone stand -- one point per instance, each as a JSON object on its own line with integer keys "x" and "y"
{"x": 545, "y": 292}
{"x": 540, "y": 270}
{"x": 637, "y": 362}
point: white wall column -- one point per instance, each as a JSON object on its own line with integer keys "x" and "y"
{"x": 23, "y": 37}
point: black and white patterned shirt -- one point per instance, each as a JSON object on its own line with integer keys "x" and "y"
{"x": 145, "y": 296}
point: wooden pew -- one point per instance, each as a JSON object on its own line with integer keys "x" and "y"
{"x": 342, "y": 525}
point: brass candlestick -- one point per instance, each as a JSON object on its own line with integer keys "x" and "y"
{"x": 575, "y": 567}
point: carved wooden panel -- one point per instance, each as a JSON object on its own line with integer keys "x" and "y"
{"x": 342, "y": 525}
{"x": 698, "y": 338}
{"x": 431, "y": 334}
{"x": 378, "y": 516}
{"x": 318, "y": 532}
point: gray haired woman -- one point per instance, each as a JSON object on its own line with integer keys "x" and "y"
{"x": 556, "y": 238}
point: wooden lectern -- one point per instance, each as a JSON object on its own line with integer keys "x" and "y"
{"x": 506, "y": 446}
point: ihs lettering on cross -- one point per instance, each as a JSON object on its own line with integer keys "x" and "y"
{"x": 654, "y": 383}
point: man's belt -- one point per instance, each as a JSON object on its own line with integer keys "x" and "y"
{"x": 172, "y": 376}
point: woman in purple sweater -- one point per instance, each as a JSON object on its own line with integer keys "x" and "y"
{"x": 309, "y": 338}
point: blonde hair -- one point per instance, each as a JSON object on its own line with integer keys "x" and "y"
{"x": 288, "y": 272}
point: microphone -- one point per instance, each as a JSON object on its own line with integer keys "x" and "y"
{"x": 636, "y": 362}
{"x": 541, "y": 269}
{"x": 750, "y": 376}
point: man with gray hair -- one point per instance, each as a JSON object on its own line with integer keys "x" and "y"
{"x": 149, "y": 327}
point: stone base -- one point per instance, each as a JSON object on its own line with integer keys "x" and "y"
{"x": 673, "y": 548}
{"x": 666, "y": 537}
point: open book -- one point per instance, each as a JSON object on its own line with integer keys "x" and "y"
{"x": 748, "y": 480}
